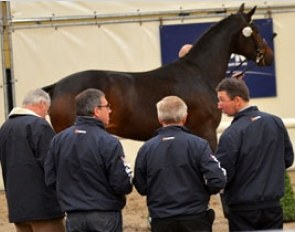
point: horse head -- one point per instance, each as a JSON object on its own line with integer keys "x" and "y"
{"x": 249, "y": 42}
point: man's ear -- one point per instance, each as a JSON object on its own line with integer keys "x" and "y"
{"x": 238, "y": 100}
{"x": 184, "y": 119}
{"x": 96, "y": 112}
{"x": 161, "y": 122}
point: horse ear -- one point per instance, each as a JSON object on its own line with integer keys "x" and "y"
{"x": 242, "y": 7}
{"x": 250, "y": 13}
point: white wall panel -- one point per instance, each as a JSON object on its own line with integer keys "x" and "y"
{"x": 2, "y": 102}
{"x": 43, "y": 56}
{"x": 45, "y": 8}
{"x": 2, "y": 109}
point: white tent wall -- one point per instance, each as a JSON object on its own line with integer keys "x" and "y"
{"x": 40, "y": 9}
{"x": 43, "y": 56}
{"x": 44, "y": 8}
{"x": 2, "y": 104}
{"x": 2, "y": 95}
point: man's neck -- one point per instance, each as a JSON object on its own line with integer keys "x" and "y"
{"x": 245, "y": 107}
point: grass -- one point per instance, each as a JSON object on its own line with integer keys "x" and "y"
{"x": 288, "y": 201}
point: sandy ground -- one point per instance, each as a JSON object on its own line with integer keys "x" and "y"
{"x": 135, "y": 215}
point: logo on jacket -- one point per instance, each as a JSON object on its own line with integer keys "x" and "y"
{"x": 80, "y": 131}
{"x": 255, "y": 118}
{"x": 168, "y": 138}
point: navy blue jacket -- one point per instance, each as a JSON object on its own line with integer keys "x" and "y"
{"x": 87, "y": 166}
{"x": 24, "y": 143}
{"x": 255, "y": 150}
{"x": 177, "y": 172}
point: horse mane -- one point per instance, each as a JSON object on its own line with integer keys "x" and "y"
{"x": 215, "y": 28}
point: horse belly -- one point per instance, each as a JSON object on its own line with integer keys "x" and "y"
{"x": 62, "y": 112}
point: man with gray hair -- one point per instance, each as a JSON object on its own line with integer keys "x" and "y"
{"x": 184, "y": 50}
{"x": 24, "y": 143}
{"x": 177, "y": 172}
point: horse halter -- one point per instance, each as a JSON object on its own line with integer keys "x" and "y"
{"x": 260, "y": 51}
{"x": 248, "y": 32}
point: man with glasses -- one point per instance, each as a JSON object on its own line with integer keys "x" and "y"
{"x": 255, "y": 150}
{"x": 86, "y": 164}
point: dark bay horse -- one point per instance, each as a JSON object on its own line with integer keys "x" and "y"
{"x": 193, "y": 78}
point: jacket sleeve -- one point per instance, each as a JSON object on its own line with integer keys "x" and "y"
{"x": 214, "y": 175}
{"x": 140, "y": 174}
{"x": 288, "y": 148}
{"x": 42, "y": 133}
{"x": 227, "y": 154}
{"x": 289, "y": 153}
{"x": 49, "y": 166}
{"x": 119, "y": 173}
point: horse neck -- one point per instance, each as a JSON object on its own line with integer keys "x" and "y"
{"x": 212, "y": 52}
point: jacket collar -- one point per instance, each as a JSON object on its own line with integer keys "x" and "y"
{"x": 21, "y": 111}
{"x": 89, "y": 121}
{"x": 170, "y": 129}
{"x": 245, "y": 112}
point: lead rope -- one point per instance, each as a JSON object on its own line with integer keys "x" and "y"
{"x": 239, "y": 74}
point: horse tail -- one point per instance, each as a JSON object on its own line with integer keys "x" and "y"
{"x": 49, "y": 89}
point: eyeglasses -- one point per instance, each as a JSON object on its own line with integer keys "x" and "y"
{"x": 107, "y": 105}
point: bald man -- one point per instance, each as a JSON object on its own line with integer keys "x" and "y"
{"x": 184, "y": 50}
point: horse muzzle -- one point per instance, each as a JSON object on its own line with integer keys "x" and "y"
{"x": 264, "y": 57}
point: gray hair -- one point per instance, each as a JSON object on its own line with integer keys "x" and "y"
{"x": 87, "y": 100}
{"x": 171, "y": 109}
{"x": 36, "y": 96}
